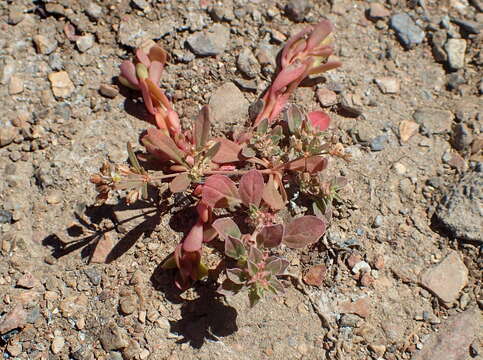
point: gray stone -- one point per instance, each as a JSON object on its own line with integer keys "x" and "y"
{"x": 454, "y": 80}
{"x": 455, "y": 49}
{"x": 113, "y": 337}
{"x": 438, "y": 39}
{"x": 246, "y": 85}
{"x": 461, "y": 137}
{"x": 93, "y": 275}
{"x": 15, "y": 14}
{"x": 446, "y": 279}
{"x": 460, "y": 210}
{"x": 45, "y": 44}
{"x": 85, "y": 42}
{"x": 93, "y": 10}
{"x": 133, "y": 31}
{"x": 7, "y": 134}
{"x": 55, "y": 62}
{"x": 5, "y": 217}
{"x": 453, "y": 340}
{"x": 140, "y": 4}
{"x": 228, "y": 105}
{"x": 247, "y": 63}
{"x": 210, "y": 43}
{"x": 407, "y": 31}
{"x": 377, "y": 144}
{"x": 183, "y": 56}
{"x": 470, "y": 27}
{"x": 297, "y": 9}
{"x": 433, "y": 121}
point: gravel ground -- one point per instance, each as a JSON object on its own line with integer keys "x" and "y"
{"x": 401, "y": 262}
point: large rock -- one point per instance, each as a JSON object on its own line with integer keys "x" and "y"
{"x": 453, "y": 340}
{"x": 446, "y": 279}
{"x": 460, "y": 210}
{"x": 433, "y": 121}
{"x": 210, "y": 43}
{"x": 228, "y": 106}
{"x": 407, "y": 31}
{"x": 133, "y": 31}
{"x": 456, "y": 48}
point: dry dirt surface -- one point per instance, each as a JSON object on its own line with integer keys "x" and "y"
{"x": 400, "y": 265}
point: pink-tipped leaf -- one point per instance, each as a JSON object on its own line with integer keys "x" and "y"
{"x": 303, "y": 231}
{"x": 220, "y": 191}
{"x": 251, "y": 188}
{"x": 319, "y": 120}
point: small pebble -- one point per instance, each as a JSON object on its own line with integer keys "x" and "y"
{"x": 399, "y": 168}
{"x": 377, "y": 221}
{"x": 108, "y": 91}
{"x": 57, "y": 344}
{"x": 377, "y": 144}
{"x": 361, "y": 266}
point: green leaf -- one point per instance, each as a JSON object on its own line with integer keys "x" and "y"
{"x": 226, "y": 227}
{"x": 133, "y": 159}
{"x": 236, "y": 275}
{"x": 234, "y": 248}
{"x": 248, "y": 151}
{"x": 276, "y": 265}
{"x": 277, "y": 134}
{"x": 262, "y": 127}
{"x": 294, "y": 118}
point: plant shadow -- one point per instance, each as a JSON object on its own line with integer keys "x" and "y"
{"x": 207, "y": 318}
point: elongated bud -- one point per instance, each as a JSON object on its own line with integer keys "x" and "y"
{"x": 177, "y": 168}
{"x": 141, "y": 71}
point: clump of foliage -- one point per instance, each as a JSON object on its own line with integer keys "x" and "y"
{"x": 251, "y": 175}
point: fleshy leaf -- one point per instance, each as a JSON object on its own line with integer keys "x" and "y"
{"x": 157, "y": 53}
{"x": 229, "y": 288}
{"x": 128, "y": 71}
{"x": 156, "y": 140}
{"x": 288, "y": 75}
{"x": 234, "y": 248}
{"x": 319, "y": 120}
{"x": 193, "y": 240}
{"x": 272, "y": 196}
{"x": 255, "y": 255}
{"x": 212, "y": 151}
{"x": 276, "y": 286}
{"x": 294, "y": 119}
{"x": 229, "y": 151}
{"x": 248, "y": 151}
{"x": 320, "y": 32}
{"x": 271, "y": 235}
{"x": 262, "y": 127}
{"x": 201, "y": 129}
{"x": 180, "y": 183}
{"x": 251, "y": 188}
{"x": 303, "y": 231}
{"x": 220, "y": 191}
{"x": 276, "y": 134}
{"x": 142, "y": 58}
{"x": 226, "y": 227}
{"x": 155, "y": 71}
{"x": 236, "y": 275}
{"x": 315, "y": 164}
{"x": 276, "y": 265}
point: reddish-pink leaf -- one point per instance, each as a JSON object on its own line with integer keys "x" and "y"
{"x": 272, "y": 196}
{"x": 157, "y": 143}
{"x": 315, "y": 164}
{"x": 128, "y": 71}
{"x": 271, "y": 236}
{"x": 319, "y": 120}
{"x": 157, "y": 53}
{"x": 148, "y": 102}
{"x": 180, "y": 183}
{"x": 155, "y": 71}
{"x": 226, "y": 227}
{"x": 320, "y": 32}
{"x": 201, "y": 131}
{"x": 142, "y": 58}
{"x": 229, "y": 152}
{"x": 193, "y": 240}
{"x": 287, "y": 75}
{"x": 220, "y": 191}
{"x": 158, "y": 94}
{"x": 303, "y": 231}
{"x": 325, "y": 67}
{"x": 251, "y": 188}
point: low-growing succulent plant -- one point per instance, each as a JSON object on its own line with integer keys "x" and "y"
{"x": 251, "y": 175}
